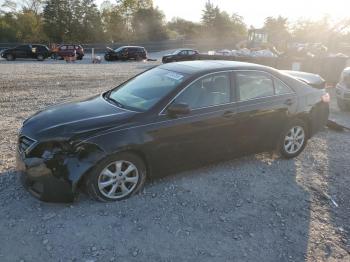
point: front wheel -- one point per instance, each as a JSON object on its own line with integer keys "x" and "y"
{"x": 116, "y": 178}
{"x": 40, "y": 58}
{"x": 10, "y": 57}
{"x": 293, "y": 139}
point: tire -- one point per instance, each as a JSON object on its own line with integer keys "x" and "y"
{"x": 138, "y": 58}
{"x": 342, "y": 105}
{"x": 293, "y": 139}
{"x": 10, "y": 57}
{"x": 40, "y": 58}
{"x": 108, "y": 58}
{"x": 106, "y": 179}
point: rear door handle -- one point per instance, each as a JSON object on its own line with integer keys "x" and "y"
{"x": 289, "y": 102}
{"x": 229, "y": 114}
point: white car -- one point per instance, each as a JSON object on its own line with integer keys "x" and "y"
{"x": 343, "y": 90}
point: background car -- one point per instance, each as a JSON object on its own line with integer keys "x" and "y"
{"x": 124, "y": 53}
{"x": 176, "y": 115}
{"x": 181, "y": 55}
{"x": 68, "y": 51}
{"x": 39, "y": 52}
{"x": 343, "y": 90}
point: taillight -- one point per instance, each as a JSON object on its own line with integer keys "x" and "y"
{"x": 326, "y": 98}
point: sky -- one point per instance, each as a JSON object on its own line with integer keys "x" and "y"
{"x": 254, "y": 12}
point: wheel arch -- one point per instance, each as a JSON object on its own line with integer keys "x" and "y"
{"x": 139, "y": 153}
{"x": 305, "y": 117}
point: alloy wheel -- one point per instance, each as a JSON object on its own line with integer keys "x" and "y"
{"x": 118, "y": 179}
{"x": 294, "y": 140}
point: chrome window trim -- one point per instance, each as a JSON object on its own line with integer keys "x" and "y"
{"x": 162, "y": 112}
{"x": 164, "y": 121}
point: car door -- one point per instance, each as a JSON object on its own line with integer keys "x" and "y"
{"x": 204, "y": 135}
{"x": 124, "y": 53}
{"x": 183, "y": 55}
{"x": 263, "y": 103}
{"x": 22, "y": 51}
{"x": 191, "y": 55}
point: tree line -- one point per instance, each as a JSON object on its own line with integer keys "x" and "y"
{"x": 81, "y": 21}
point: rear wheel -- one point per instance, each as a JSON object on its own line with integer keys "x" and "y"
{"x": 116, "y": 178}
{"x": 293, "y": 139}
{"x": 10, "y": 57}
{"x": 342, "y": 105}
{"x": 138, "y": 58}
{"x": 40, "y": 57}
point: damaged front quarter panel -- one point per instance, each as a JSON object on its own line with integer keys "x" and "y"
{"x": 54, "y": 169}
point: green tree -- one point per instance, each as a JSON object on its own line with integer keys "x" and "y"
{"x": 8, "y": 29}
{"x": 114, "y": 24}
{"x": 29, "y": 27}
{"x": 277, "y": 29}
{"x": 72, "y": 21}
{"x": 57, "y": 20}
{"x": 91, "y": 25}
{"x": 305, "y": 30}
{"x": 184, "y": 28}
{"x": 148, "y": 25}
{"x": 220, "y": 25}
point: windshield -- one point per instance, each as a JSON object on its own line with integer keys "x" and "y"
{"x": 119, "y": 49}
{"x": 147, "y": 89}
{"x": 176, "y": 52}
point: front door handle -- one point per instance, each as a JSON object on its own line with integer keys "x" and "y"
{"x": 289, "y": 102}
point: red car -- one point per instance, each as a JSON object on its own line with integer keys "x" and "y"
{"x": 69, "y": 51}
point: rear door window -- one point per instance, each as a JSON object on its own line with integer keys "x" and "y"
{"x": 253, "y": 85}
{"x": 281, "y": 88}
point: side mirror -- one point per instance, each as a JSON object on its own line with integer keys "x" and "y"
{"x": 178, "y": 109}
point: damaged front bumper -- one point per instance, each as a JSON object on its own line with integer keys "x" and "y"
{"x": 40, "y": 181}
{"x": 55, "y": 179}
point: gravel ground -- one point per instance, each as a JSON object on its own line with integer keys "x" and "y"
{"x": 257, "y": 208}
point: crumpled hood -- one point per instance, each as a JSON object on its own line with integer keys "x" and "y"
{"x": 4, "y": 51}
{"x": 109, "y": 50}
{"x": 75, "y": 119}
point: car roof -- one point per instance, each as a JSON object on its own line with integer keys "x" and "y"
{"x": 132, "y": 46}
{"x": 204, "y": 66}
{"x": 185, "y": 49}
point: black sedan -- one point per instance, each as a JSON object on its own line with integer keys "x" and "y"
{"x": 180, "y": 114}
{"x": 180, "y": 55}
